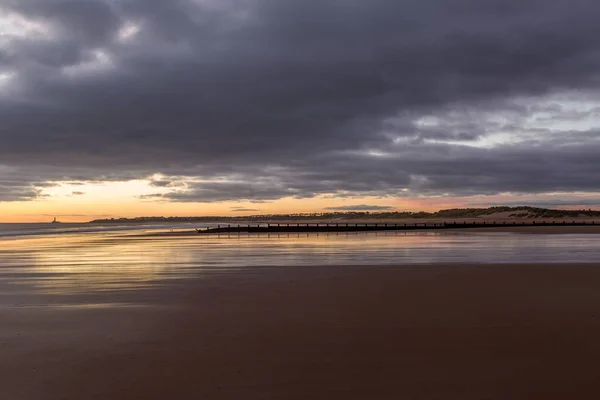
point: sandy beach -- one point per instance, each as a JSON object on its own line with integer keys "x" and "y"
{"x": 424, "y": 332}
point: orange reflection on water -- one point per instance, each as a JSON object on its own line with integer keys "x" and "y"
{"x": 112, "y": 261}
{"x": 76, "y": 263}
{"x": 83, "y": 263}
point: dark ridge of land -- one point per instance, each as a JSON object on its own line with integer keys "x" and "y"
{"x": 491, "y": 212}
{"x": 520, "y": 226}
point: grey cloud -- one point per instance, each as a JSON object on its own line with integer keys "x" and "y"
{"x": 544, "y": 203}
{"x": 92, "y": 22}
{"x": 14, "y": 188}
{"x": 242, "y": 209}
{"x": 28, "y": 183}
{"x": 18, "y": 193}
{"x": 222, "y": 191}
{"x": 571, "y": 115}
{"x": 286, "y": 98}
{"x": 360, "y": 207}
{"x": 165, "y": 183}
{"x": 77, "y": 193}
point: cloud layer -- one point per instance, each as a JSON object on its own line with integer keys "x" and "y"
{"x": 258, "y": 99}
{"x": 359, "y": 207}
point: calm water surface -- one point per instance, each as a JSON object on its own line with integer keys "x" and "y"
{"x": 112, "y": 259}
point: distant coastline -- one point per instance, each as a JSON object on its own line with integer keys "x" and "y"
{"x": 499, "y": 212}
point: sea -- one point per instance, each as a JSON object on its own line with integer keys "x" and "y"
{"x": 75, "y": 258}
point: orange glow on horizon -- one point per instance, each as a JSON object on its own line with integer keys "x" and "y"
{"x": 82, "y": 203}
{"x": 72, "y": 211}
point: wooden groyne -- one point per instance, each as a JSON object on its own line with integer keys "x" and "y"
{"x": 374, "y": 227}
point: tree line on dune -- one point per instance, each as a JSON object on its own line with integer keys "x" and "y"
{"x": 509, "y": 212}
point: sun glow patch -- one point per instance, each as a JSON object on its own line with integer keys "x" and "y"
{"x": 427, "y": 121}
{"x": 566, "y": 115}
{"x": 99, "y": 61}
{"x": 376, "y": 153}
{"x": 128, "y": 31}
{"x": 5, "y": 78}
{"x": 484, "y": 142}
{"x": 13, "y": 25}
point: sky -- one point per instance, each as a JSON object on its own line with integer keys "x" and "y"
{"x": 121, "y": 108}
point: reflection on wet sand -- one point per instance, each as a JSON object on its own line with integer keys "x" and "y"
{"x": 80, "y": 264}
{"x": 64, "y": 264}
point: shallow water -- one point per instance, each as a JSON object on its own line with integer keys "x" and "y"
{"x": 114, "y": 260}
{"x": 8, "y": 230}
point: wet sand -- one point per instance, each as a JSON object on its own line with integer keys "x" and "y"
{"x": 422, "y": 332}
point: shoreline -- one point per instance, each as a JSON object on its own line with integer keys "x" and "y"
{"x": 556, "y": 229}
{"x": 452, "y": 331}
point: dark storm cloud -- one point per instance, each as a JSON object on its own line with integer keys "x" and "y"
{"x": 18, "y": 192}
{"x": 222, "y": 191}
{"x": 360, "y": 207}
{"x": 162, "y": 183}
{"x": 288, "y": 98}
{"x": 90, "y": 21}
{"x": 15, "y": 187}
{"x": 243, "y": 209}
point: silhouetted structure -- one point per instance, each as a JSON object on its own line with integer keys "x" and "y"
{"x": 369, "y": 227}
